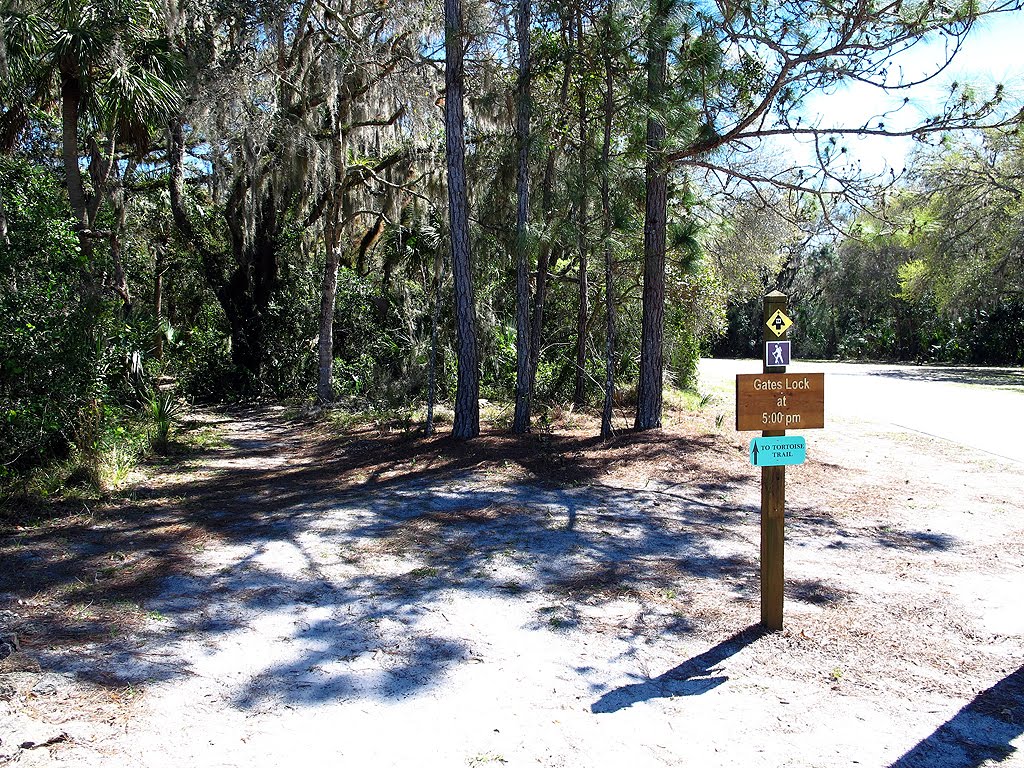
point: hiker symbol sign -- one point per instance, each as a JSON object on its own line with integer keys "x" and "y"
{"x": 776, "y": 353}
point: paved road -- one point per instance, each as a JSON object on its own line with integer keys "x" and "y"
{"x": 981, "y": 409}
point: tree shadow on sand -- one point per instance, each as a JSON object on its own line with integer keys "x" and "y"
{"x": 298, "y": 525}
{"x": 978, "y": 734}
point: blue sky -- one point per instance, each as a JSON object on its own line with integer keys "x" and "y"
{"x": 993, "y": 53}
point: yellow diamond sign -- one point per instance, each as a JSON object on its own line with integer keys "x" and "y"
{"x": 779, "y": 322}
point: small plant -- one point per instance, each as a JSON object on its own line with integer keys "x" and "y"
{"x": 837, "y": 674}
{"x": 116, "y": 465}
{"x": 719, "y": 420}
{"x": 129, "y": 691}
{"x": 706, "y": 399}
{"x": 162, "y": 407}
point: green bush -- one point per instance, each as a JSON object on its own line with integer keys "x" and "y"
{"x": 47, "y": 350}
{"x": 65, "y": 351}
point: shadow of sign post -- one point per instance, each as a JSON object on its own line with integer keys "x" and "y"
{"x": 691, "y": 678}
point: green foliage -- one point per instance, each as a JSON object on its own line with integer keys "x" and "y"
{"x": 695, "y": 314}
{"x": 66, "y": 354}
{"x": 964, "y": 216}
{"x": 881, "y": 298}
{"x": 113, "y": 49}
{"x": 290, "y": 325}
{"x": 199, "y": 356}
{"x": 371, "y": 356}
{"x": 46, "y": 349}
{"x": 932, "y": 275}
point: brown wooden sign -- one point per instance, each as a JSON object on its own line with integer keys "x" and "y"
{"x": 778, "y": 401}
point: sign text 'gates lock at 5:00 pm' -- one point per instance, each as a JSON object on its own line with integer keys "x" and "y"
{"x": 780, "y": 401}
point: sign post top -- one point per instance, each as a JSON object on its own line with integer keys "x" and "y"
{"x": 775, "y": 328}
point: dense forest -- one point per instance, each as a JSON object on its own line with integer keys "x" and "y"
{"x": 397, "y": 205}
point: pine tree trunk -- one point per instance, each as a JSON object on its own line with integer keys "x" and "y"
{"x": 606, "y": 240}
{"x": 649, "y": 388}
{"x": 4, "y": 239}
{"x": 467, "y": 387}
{"x": 158, "y": 300}
{"x": 329, "y": 284}
{"x": 521, "y": 418}
{"x": 121, "y": 286}
{"x": 540, "y": 290}
{"x": 583, "y": 307}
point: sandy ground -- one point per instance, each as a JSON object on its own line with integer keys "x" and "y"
{"x": 378, "y": 599}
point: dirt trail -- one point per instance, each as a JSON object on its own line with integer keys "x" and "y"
{"x": 379, "y": 599}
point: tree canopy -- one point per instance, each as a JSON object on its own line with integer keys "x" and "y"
{"x": 391, "y": 204}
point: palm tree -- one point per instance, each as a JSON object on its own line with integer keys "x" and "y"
{"x": 109, "y": 68}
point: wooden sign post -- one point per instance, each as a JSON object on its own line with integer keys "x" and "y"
{"x": 773, "y": 491}
{"x": 774, "y": 401}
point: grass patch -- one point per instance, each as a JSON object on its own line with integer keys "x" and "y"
{"x": 486, "y": 758}
{"x": 423, "y": 573}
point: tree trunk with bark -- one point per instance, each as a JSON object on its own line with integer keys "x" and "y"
{"x": 246, "y": 297}
{"x": 328, "y": 296}
{"x": 521, "y": 418}
{"x": 583, "y": 307}
{"x": 540, "y": 290}
{"x": 246, "y": 292}
{"x": 4, "y": 238}
{"x": 329, "y": 284}
{"x": 158, "y": 299}
{"x": 120, "y": 207}
{"x": 467, "y": 387}
{"x": 606, "y": 241}
{"x": 435, "y": 322}
{"x": 70, "y": 106}
{"x": 649, "y": 388}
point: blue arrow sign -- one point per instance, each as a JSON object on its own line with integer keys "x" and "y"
{"x": 777, "y": 451}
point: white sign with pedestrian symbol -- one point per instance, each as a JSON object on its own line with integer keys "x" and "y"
{"x": 776, "y": 353}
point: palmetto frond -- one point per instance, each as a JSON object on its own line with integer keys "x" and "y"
{"x": 117, "y": 50}
{"x": 134, "y": 97}
{"x": 22, "y": 41}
